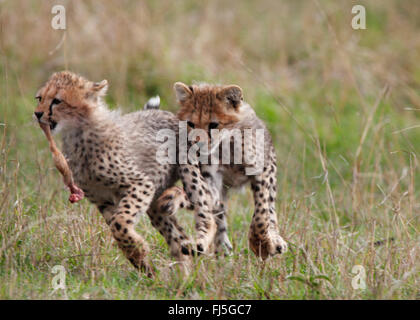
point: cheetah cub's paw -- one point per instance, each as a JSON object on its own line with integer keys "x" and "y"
{"x": 270, "y": 245}
{"x": 277, "y": 245}
{"x": 223, "y": 245}
{"x": 188, "y": 248}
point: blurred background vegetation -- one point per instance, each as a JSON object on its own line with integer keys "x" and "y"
{"x": 343, "y": 107}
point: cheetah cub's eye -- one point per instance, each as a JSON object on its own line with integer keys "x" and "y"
{"x": 213, "y": 125}
{"x": 190, "y": 124}
{"x": 39, "y": 98}
{"x": 56, "y": 101}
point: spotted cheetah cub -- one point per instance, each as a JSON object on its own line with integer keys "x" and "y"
{"x": 210, "y": 107}
{"x": 113, "y": 160}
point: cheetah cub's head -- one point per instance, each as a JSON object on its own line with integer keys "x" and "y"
{"x": 209, "y": 106}
{"x": 67, "y": 100}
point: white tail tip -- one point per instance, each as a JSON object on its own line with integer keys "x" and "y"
{"x": 152, "y": 103}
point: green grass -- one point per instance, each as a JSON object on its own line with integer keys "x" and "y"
{"x": 338, "y": 191}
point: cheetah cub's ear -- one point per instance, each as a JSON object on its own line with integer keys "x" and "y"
{"x": 182, "y": 91}
{"x": 233, "y": 95}
{"x": 99, "y": 89}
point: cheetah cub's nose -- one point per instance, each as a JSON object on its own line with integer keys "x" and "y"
{"x": 39, "y": 114}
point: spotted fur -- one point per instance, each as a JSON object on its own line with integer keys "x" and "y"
{"x": 113, "y": 159}
{"x": 222, "y": 107}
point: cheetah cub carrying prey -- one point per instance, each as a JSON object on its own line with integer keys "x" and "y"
{"x": 113, "y": 160}
{"x": 210, "y": 107}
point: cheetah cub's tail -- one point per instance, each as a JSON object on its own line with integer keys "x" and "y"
{"x": 152, "y": 103}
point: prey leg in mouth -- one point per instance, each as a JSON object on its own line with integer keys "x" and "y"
{"x": 76, "y": 194}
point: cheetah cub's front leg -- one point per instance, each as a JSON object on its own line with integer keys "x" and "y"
{"x": 264, "y": 238}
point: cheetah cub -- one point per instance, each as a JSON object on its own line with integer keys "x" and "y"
{"x": 210, "y": 107}
{"x": 113, "y": 160}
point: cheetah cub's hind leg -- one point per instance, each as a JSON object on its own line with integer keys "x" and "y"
{"x": 221, "y": 241}
{"x": 163, "y": 219}
{"x": 199, "y": 195}
{"x": 136, "y": 200}
{"x": 219, "y": 195}
{"x": 170, "y": 202}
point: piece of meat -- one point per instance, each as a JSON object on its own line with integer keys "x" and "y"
{"x": 62, "y": 166}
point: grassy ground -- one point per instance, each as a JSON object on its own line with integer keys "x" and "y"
{"x": 343, "y": 107}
